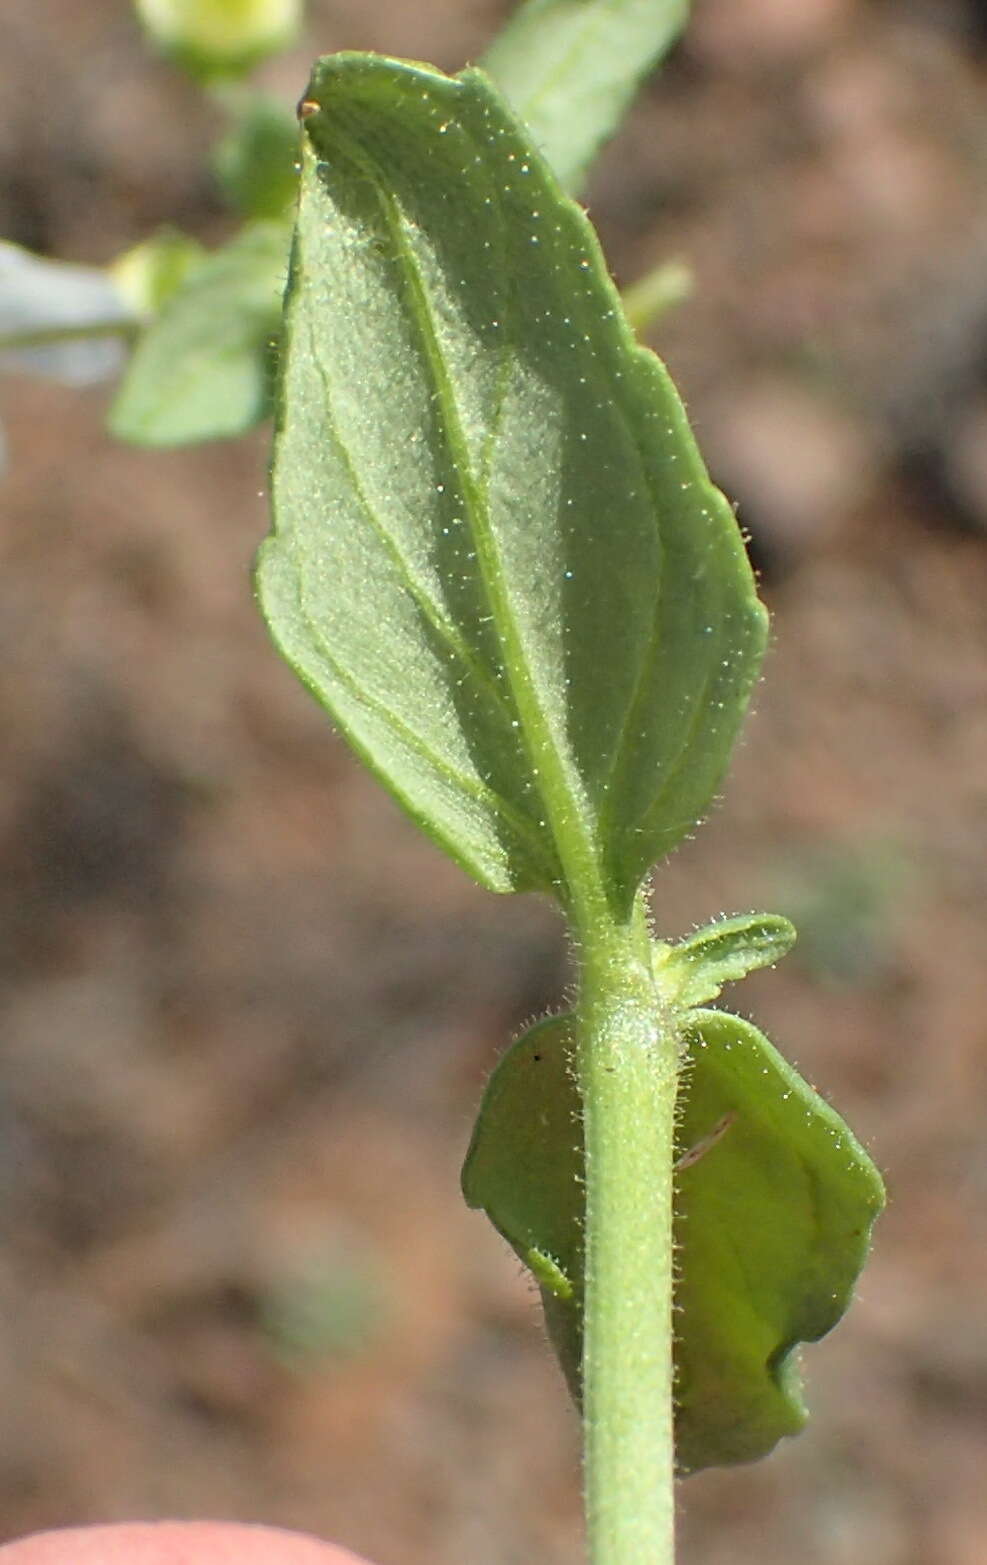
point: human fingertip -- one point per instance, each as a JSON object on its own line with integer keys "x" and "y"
{"x": 174, "y": 1543}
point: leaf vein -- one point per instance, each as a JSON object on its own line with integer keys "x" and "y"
{"x": 677, "y": 762}
{"x": 551, "y": 775}
{"x": 444, "y": 627}
{"x": 518, "y": 822}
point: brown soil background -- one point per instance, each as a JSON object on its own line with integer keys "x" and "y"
{"x": 246, "y": 1012}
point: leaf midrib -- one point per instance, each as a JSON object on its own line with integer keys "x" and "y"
{"x": 565, "y": 805}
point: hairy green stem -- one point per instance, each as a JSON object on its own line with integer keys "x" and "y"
{"x": 628, "y": 1067}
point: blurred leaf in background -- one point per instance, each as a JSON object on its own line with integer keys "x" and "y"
{"x": 203, "y": 370}
{"x": 256, "y": 161}
{"x": 843, "y": 899}
{"x": 570, "y": 69}
{"x": 330, "y": 1304}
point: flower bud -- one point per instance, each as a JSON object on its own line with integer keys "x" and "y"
{"x": 220, "y": 37}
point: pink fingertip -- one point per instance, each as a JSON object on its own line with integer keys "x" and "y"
{"x": 174, "y": 1543}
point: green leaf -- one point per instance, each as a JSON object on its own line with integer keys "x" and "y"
{"x": 571, "y": 67}
{"x": 498, "y": 559}
{"x": 525, "y": 1161}
{"x": 695, "y": 970}
{"x": 790, "y": 1178}
{"x": 203, "y": 369}
{"x": 256, "y": 161}
{"x": 775, "y": 1201}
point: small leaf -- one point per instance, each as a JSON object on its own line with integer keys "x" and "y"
{"x": 524, "y": 1168}
{"x": 497, "y": 559}
{"x": 775, "y": 1200}
{"x": 525, "y": 1161}
{"x": 255, "y": 162}
{"x": 794, "y": 1186}
{"x": 203, "y": 369}
{"x": 695, "y": 970}
{"x": 571, "y": 67}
